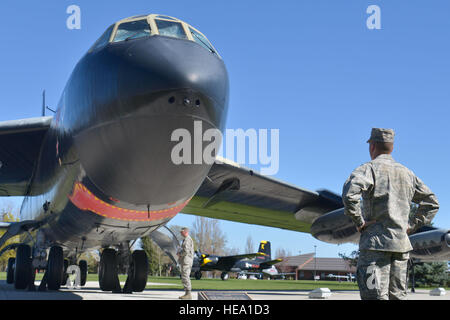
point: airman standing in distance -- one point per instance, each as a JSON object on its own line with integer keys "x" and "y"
{"x": 387, "y": 189}
{"x": 185, "y": 258}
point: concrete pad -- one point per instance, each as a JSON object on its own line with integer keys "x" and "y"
{"x": 420, "y": 294}
{"x": 92, "y": 292}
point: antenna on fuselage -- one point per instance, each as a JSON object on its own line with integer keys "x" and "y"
{"x": 44, "y": 106}
{"x": 43, "y": 103}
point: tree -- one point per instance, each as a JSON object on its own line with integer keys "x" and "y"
{"x": 92, "y": 258}
{"x": 281, "y": 253}
{"x": 431, "y": 274}
{"x": 249, "y": 245}
{"x": 352, "y": 260}
{"x": 158, "y": 262}
{"x": 233, "y": 251}
{"x": 151, "y": 249}
{"x": 8, "y": 216}
{"x": 208, "y": 236}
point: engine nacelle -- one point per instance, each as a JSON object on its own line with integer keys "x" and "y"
{"x": 335, "y": 227}
{"x": 433, "y": 245}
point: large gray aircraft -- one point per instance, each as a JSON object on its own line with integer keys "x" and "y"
{"x": 99, "y": 173}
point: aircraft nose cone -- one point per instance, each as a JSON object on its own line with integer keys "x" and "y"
{"x": 161, "y": 63}
{"x": 163, "y": 85}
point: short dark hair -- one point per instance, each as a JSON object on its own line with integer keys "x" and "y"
{"x": 384, "y": 147}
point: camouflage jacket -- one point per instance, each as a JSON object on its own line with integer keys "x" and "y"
{"x": 387, "y": 189}
{"x": 187, "y": 250}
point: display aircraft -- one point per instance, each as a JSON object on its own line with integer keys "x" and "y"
{"x": 99, "y": 173}
{"x": 349, "y": 277}
{"x": 261, "y": 263}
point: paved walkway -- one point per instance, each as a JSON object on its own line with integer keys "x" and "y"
{"x": 92, "y": 292}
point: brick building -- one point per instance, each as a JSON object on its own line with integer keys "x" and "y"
{"x": 303, "y": 267}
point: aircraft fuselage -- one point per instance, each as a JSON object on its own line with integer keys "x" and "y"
{"x": 105, "y": 173}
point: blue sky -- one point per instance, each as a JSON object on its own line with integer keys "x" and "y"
{"x": 311, "y": 69}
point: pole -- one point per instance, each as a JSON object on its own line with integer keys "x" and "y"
{"x": 315, "y": 263}
{"x": 43, "y": 103}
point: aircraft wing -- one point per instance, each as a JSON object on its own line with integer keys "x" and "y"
{"x": 20, "y": 144}
{"x": 229, "y": 261}
{"x": 235, "y": 193}
{"x": 243, "y": 256}
{"x": 268, "y": 264}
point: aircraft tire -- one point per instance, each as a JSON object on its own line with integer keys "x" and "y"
{"x": 55, "y": 268}
{"x": 65, "y": 276}
{"x": 10, "y": 271}
{"x": 22, "y": 270}
{"x": 83, "y": 272}
{"x": 107, "y": 270}
{"x": 224, "y": 276}
{"x": 198, "y": 275}
{"x": 139, "y": 270}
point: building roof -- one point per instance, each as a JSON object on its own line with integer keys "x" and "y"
{"x": 297, "y": 261}
{"x": 307, "y": 262}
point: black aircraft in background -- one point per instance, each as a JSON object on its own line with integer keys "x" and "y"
{"x": 99, "y": 174}
{"x": 261, "y": 263}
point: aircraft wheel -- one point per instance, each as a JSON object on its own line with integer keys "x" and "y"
{"x": 139, "y": 270}
{"x": 224, "y": 276}
{"x": 10, "y": 271}
{"x": 55, "y": 268}
{"x": 198, "y": 275}
{"x": 22, "y": 270}
{"x": 83, "y": 272}
{"x": 65, "y": 276}
{"x": 108, "y": 274}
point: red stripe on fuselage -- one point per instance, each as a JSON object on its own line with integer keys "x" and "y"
{"x": 84, "y": 200}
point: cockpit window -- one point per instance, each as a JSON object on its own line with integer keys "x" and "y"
{"x": 201, "y": 40}
{"x": 152, "y": 25}
{"x": 170, "y": 29}
{"x": 104, "y": 39}
{"x": 132, "y": 30}
{"x": 165, "y": 17}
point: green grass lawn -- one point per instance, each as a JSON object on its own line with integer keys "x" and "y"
{"x": 235, "y": 284}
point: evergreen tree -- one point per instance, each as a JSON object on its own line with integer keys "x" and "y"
{"x": 7, "y": 216}
{"x": 151, "y": 250}
{"x": 432, "y": 274}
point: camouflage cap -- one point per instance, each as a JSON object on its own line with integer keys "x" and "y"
{"x": 381, "y": 135}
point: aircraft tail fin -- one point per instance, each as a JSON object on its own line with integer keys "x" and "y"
{"x": 264, "y": 247}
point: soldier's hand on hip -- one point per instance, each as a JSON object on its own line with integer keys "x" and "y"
{"x": 365, "y": 225}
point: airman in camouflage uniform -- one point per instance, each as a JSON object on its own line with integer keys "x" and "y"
{"x": 186, "y": 256}
{"x": 387, "y": 189}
